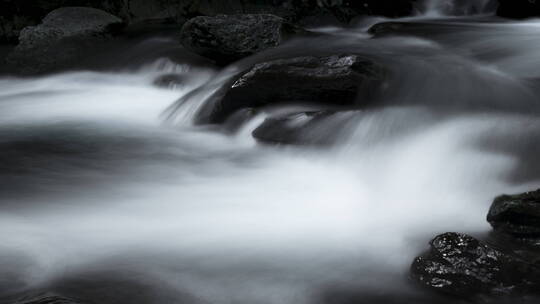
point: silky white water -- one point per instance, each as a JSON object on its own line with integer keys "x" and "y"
{"x": 97, "y": 185}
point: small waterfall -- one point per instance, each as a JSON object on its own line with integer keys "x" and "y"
{"x": 436, "y": 8}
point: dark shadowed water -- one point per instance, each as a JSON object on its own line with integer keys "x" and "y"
{"x": 104, "y": 200}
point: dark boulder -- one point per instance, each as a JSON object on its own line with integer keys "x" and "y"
{"x": 518, "y": 8}
{"x": 68, "y": 22}
{"x": 336, "y": 81}
{"x": 460, "y": 265}
{"x": 228, "y": 38}
{"x": 518, "y": 215}
{"x": 18, "y": 14}
{"x": 65, "y": 36}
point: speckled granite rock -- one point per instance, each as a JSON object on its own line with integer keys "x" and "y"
{"x": 460, "y": 265}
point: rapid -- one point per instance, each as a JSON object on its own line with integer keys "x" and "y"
{"x": 110, "y": 193}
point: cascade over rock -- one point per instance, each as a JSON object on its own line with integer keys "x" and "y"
{"x": 337, "y": 80}
{"x": 304, "y": 128}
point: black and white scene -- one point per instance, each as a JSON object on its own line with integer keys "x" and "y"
{"x": 269, "y": 152}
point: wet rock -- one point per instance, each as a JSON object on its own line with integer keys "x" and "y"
{"x": 304, "y": 128}
{"x": 518, "y": 8}
{"x": 228, "y": 38}
{"x": 18, "y": 14}
{"x": 526, "y": 250}
{"x": 337, "y": 80}
{"x": 68, "y": 22}
{"x": 518, "y": 215}
{"x": 460, "y": 265}
{"x": 65, "y": 36}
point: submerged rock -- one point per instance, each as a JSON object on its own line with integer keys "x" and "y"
{"x": 304, "y": 128}
{"x": 335, "y": 80}
{"x": 64, "y": 37}
{"x": 460, "y": 265}
{"x": 518, "y": 215}
{"x": 227, "y": 38}
{"x": 289, "y": 129}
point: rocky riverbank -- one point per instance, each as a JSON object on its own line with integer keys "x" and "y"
{"x": 505, "y": 265}
{"x": 16, "y": 15}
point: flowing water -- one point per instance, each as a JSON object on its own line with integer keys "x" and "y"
{"x": 105, "y": 200}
